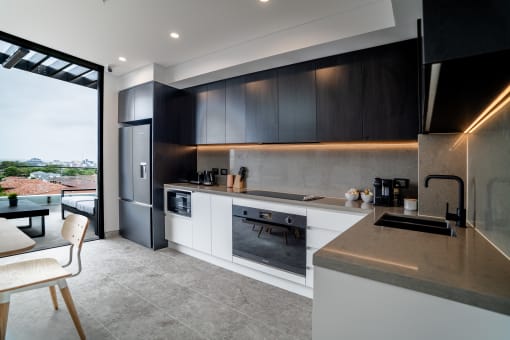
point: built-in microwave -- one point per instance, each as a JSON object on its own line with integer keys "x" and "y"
{"x": 178, "y": 202}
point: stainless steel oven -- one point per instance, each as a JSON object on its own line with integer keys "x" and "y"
{"x": 178, "y": 202}
{"x": 272, "y": 238}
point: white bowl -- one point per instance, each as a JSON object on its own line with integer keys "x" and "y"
{"x": 351, "y": 197}
{"x": 367, "y": 198}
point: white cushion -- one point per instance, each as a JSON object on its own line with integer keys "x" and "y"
{"x": 86, "y": 206}
{"x": 72, "y": 201}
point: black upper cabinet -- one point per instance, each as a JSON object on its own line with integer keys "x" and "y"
{"x": 235, "y": 111}
{"x": 200, "y": 95}
{"x": 144, "y": 101}
{"x": 390, "y": 92}
{"x": 261, "y": 107}
{"x": 340, "y": 98}
{"x": 297, "y": 119}
{"x": 462, "y": 28}
{"x": 126, "y": 105}
{"x": 181, "y": 128}
{"x": 215, "y": 118}
{"x": 136, "y": 103}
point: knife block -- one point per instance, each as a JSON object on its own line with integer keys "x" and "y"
{"x": 238, "y": 183}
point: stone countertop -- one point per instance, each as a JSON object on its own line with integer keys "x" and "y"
{"x": 323, "y": 203}
{"x": 466, "y": 268}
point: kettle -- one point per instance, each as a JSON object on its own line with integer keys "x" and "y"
{"x": 209, "y": 178}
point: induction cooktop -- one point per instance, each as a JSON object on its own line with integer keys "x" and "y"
{"x": 283, "y": 195}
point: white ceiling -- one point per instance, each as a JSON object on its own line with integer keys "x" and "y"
{"x": 218, "y": 37}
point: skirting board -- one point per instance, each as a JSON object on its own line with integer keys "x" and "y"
{"x": 247, "y": 271}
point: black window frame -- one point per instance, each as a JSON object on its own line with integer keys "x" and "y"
{"x": 100, "y": 93}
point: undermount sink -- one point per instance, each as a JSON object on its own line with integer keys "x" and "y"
{"x": 416, "y": 224}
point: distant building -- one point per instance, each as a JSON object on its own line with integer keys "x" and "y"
{"x": 86, "y": 163}
{"x": 35, "y": 162}
{"x": 45, "y": 176}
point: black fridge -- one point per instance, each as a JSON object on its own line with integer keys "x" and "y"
{"x": 135, "y": 204}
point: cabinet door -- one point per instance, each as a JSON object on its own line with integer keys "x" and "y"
{"x": 235, "y": 111}
{"x": 391, "y": 92}
{"x": 201, "y": 217}
{"x": 144, "y": 101}
{"x": 339, "y": 99}
{"x": 221, "y": 225}
{"x": 200, "y": 114}
{"x": 186, "y": 119}
{"x": 126, "y": 163}
{"x": 261, "y": 107}
{"x": 297, "y": 119}
{"x": 179, "y": 229}
{"x": 126, "y": 106}
{"x": 215, "y": 118}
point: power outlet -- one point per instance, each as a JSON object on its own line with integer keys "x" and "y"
{"x": 224, "y": 172}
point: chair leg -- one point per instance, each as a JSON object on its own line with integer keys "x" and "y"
{"x": 4, "y": 313}
{"x": 66, "y": 294}
{"x": 53, "y": 294}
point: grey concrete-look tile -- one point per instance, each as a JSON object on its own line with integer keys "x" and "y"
{"x": 32, "y": 316}
{"x": 152, "y": 325}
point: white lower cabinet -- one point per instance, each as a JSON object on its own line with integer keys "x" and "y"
{"x": 179, "y": 229}
{"x": 323, "y": 226}
{"x": 201, "y": 217}
{"x": 351, "y": 307}
{"x": 221, "y": 226}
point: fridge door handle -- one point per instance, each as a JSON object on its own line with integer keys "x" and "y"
{"x": 143, "y": 170}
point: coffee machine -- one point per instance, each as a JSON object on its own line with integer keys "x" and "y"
{"x": 383, "y": 192}
{"x": 389, "y": 192}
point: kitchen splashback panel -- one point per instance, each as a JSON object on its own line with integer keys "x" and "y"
{"x": 323, "y": 172}
{"x": 489, "y": 179}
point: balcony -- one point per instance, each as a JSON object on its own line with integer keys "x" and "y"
{"x": 37, "y": 187}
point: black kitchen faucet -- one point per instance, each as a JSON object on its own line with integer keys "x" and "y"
{"x": 460, "y": 216}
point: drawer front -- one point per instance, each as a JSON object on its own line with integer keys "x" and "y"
{"x": 338, "y": 221}
{"x": 318, "y": 238}
{"x": 179, "y": 230}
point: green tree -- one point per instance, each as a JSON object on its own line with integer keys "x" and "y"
{"x": 11, "y": 171}
{"x": 70, "y": 172}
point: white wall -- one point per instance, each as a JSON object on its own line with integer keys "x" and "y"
{"x": 110, "y": 154}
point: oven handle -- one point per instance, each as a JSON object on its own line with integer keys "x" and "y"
{"x": 262, "y": 222}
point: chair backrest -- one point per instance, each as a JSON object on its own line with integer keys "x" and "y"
{"x": 74, "y": 229}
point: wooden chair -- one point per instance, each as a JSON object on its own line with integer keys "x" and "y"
{"x": 46, "y": 272}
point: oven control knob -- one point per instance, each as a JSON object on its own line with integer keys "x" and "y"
{"x": 288, "y": 220}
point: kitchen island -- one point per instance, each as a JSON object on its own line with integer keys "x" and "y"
{"x": 410, "y": 285}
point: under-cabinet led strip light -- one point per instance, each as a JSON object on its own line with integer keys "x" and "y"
{"x": 493, "y": 108}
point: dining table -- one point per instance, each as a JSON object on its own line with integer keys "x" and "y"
{"x": 12, "y": 240}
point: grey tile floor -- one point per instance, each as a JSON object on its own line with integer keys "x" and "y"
{"x": 130, "y": 292}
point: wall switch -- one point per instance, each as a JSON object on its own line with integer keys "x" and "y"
{"x": 215, "y": 171}
{"x": 224, "y": 172}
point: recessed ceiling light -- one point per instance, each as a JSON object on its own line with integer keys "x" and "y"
{"x": 122, "y": 59}
{"x": 174, "y": 35}
{"x": 264, "y": 0}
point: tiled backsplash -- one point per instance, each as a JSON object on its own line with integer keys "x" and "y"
{"x": 489, "y": 179}
{"x": 329, "y": 172}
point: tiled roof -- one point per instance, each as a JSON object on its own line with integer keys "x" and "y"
{"x": 26, "y": 186}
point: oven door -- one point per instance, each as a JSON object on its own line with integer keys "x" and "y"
{"x": 178, "y": 202}
{"x": 274, "y": 245}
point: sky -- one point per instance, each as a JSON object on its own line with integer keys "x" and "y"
{"x": 46, "y": 118}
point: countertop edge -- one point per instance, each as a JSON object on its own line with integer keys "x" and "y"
{"x": 487, "y": 302}
{"x": 307, "y": 204}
